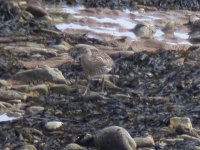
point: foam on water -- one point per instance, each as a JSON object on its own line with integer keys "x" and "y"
{"x": 182, "y": 35}
{"x": 159, "y": 33}
{"x": 124, "y": 22}
{"x": 111, "y": 31}
{"x": 73, "y": 9}
{"x": 5, "y": 117}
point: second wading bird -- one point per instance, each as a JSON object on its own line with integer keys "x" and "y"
{"x": 95, "y": 63}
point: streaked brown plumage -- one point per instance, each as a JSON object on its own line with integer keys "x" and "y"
{"x": 95, "y": 63}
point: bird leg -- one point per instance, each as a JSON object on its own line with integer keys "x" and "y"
{"x": 88, "y": 86}
{"x": 103, "y": 84}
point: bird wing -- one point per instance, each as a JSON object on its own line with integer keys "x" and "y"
{"x": 101, "y": 58}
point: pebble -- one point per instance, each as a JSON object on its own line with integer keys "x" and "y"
{"x": 176, "y": 122}
{"x": 144, "y": 141}
{"x": 53, "y": 125}
{"x": 34, "y": 110}
{"x": 74, "y": 146}
{"x": 6, "y": 95}
{"x": 144, "y": 30}
{"x": 27, "y": 147}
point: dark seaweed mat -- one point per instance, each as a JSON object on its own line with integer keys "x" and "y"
{"x": 142, "y": 75}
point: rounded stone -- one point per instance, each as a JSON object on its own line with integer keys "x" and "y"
{"x": 53, "y": 125}
{"x": 27, "y": 147}
{"x": 74, "y": 146}
{"x": 33, "y": 110}
{"x": 176, "y": 122}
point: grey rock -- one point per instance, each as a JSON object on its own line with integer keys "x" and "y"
{"x": 45, "y": 74}
{"x": 175, "y": 122}
{"x": 110, "y": 138}
{"x": 144, "y": 30}
{"x": 74, "y": 146}
{"x": 33, "y": 110}
{"x": 27, "y": 147}
{"x": 144, "y": 141}
{"x": 11, "y": 94}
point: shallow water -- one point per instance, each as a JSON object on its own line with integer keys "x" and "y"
{"x": 104, "y": 22}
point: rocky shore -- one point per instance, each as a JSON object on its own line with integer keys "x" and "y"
{"x": 152, "y": 95}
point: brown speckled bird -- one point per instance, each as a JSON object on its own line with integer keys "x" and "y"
{"x": 95, "y": 63}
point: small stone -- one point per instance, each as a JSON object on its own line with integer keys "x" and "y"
{"x": 40, "y": 75}
{"x": 61, "y": 89}
{"x": 33, "y": 110}
{"x": 144, "y": 141}
{"x": 6, "y": 95}
{"x": 42, "y": 89}
{"x": 176, "y": 122}
{"x": 3, "y": 82}
{"x": 170, "y": 26}
{"x": 74, "y": 146}
{"x": 62, "y": 47}
{"x": 53, "y": 125}
{"x": 144, "y": 30}
{"x": 27, "y": 147}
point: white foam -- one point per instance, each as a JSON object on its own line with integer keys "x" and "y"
{"x": 182, "y": 35}
{"x": 153, "y": 17}
{"x": 111, "y": 31}
{"x": 5, "y": 117}
{"x": 73, "y": 9}
{"x": 124, "y": 22}
{"x": 158, "y": 33}
{"x": 185, "y": 43}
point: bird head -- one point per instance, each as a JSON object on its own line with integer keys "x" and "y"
{"x": 81, "y": 50}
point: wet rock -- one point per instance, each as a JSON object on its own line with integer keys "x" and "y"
{"x": 61, "y": 89}
{"x": 29, "y": 50}
{"x": 185, "y": 122}
{"x": 34, "y": 110}
{"x": 54, "y": 62}
{"x": 41, "y": 89}
{"x": 144, "y": 141}
{"x": 195, "y": 36}
{"x": 45, "y": 74}
{"x": 74, "y": 146}
{"x": 36, "y": 11}
{"x": 53, "y": 125}
{"x": 144, "y": 30}
{"x": 27, "y": 147}
{"x": 110, "y": 138}
{"x": 11, "y": 94}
